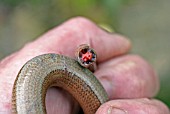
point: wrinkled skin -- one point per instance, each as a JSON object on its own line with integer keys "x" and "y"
{"x": 123, "y": 75}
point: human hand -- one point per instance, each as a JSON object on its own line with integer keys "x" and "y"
{"x": 124, "y": 76}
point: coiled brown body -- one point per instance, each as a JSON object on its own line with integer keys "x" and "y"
{"x": 47, "y": 70}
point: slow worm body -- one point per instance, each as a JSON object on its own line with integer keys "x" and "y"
{"x": 47, "y": 70}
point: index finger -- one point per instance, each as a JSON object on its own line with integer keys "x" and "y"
{"x": 67, "y": 37}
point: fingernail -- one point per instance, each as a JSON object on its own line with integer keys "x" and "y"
{"x": 114, "y": 110}
{"x": 106, "y": 28}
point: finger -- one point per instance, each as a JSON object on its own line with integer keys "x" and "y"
{"x": 67, "y": 37}
{"x": 59, "y": 101}
{"x": 133, "y": 106}
{"x": 128, "y": 76}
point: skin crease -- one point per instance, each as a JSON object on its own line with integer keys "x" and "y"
{"x": 123, "y": 76}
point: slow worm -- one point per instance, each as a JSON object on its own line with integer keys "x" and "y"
{"x": 44, "y": 71}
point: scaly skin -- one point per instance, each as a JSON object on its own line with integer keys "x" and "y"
{"x": 47, "y": 70}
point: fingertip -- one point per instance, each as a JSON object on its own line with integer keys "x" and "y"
{"x": 112, "y": 107}
{"x": 133, "y": 106}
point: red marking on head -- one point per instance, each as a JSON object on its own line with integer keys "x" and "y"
{"x": 87, "y": 56}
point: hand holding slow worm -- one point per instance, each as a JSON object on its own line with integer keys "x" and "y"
{"x": 125, "y": 76}
{"x": 54, "y": 70}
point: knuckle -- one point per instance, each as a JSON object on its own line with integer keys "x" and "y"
{"x": 82, "y": 23}
{"x": 81, "y": 26}
{"x": 139, "y": 60}
{"x": 78, "y": 28}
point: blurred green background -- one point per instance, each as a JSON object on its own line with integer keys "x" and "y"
{"x": 145, "y": 22}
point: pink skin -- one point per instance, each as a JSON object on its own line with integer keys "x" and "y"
{"x": 133, "y": 106}
{"x": 123, "y": 76}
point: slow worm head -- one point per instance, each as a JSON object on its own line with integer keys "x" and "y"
{"x": 47, "y": 70}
